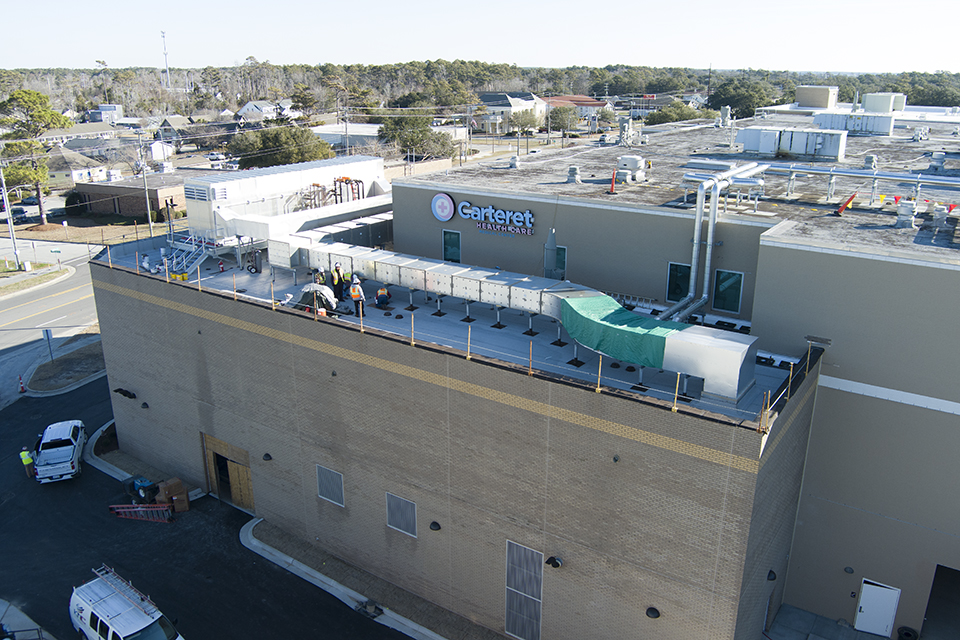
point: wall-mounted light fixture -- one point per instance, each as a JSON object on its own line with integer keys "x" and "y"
{"x": 771, "y": 576}
{"x": 434, "y": 526}
{"x": 144, "y": 406}
{"x": 554, "y": 561}
{"x": 653, "y": 612}
{"x": 267, "y": 457}
{"x": 125, "y": 393}
{"x": 848, "y": 570}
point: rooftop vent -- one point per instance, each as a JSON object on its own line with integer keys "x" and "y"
{"x": 573, "y": 175}
{"x": 906, "y": 211}
{"x": 870, "y": 162}
{"x": 513, "y": 162}
{"x": 936, "y": 162}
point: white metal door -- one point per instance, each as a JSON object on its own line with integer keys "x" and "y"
{"x": 877, "y": 608}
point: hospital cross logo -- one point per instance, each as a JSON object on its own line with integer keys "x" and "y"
{"x": 442, "y": 207}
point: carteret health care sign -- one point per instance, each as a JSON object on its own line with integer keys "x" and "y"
{"x": 489, "y": 219}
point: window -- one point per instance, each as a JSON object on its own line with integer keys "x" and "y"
{"x": 678, "y": 281}
{"x": 330, "y": 485}
{"x": 524, "y": 584}
{"x": 104, "y": 630}
{"x": 727, "y": 287}
{"x": 561, "y": 262}
{"x": 402, "y": 515}
{"x": 94, "y": 620}
{"x": 451, "y": 246}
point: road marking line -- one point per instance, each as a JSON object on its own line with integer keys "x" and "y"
{"x": 89, "y": 295}
{"x": 54, "y": 295}
{"x": 52, "y": 321}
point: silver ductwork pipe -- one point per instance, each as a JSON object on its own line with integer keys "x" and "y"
{"x": 745, "y": 173}
{"x": 708, "y": 182}
{"x": 938, "y": 180}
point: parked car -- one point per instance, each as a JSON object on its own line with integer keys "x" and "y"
{"x": 216, "y": 156}
{"x": 58, "y": 451}
{"x": 19, "y": 214}
{"x": 30, "y": 200}
{"x": 110, "y": 608}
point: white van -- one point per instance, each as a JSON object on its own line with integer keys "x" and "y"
{"x": 110, "y": 608}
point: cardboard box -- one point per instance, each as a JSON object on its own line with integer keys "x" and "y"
{"x": 168, "y": 489}
{"x": 181, "y": 502}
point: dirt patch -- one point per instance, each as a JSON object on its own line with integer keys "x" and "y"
{"x": 69, "y": 368}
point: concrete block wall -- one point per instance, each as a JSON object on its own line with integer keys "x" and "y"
{"x": 775, "y": 510}
{"x": 486, "y": 451}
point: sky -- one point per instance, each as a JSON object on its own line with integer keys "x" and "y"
{"x": 815, "y": 35}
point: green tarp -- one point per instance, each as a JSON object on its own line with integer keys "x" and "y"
{"x": 600, "y": 323}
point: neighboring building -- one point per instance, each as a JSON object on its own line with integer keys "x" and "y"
{"x": 108, "y": 113}
{"x": 586, "y": 106}
{"x": 266, "y": 110}
{"x": 160, "y": 151}
{"x": 501, "y": 105}
{"x": 128, "y": 197}
{"x": 85, "y": 130}
{"x": 67, "y": 168}
{"x": 793, "y": 445}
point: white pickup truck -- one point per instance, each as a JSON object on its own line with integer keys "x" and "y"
{"x": 59, "y": 450}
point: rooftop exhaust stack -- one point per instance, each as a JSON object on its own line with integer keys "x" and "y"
{"x": 936, "y": 162}
{"x": 573, "y": 175}
{"x": 725, "y": 116}
{"x": 550, "y": 255}
{"x": 905, "y": 214}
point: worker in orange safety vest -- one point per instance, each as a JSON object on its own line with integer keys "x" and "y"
{"x": 356, "y": 293}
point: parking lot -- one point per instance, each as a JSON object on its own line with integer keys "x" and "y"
{"x": 195, "y": 569}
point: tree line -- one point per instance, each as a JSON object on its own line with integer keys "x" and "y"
{"x": 325, "y": 87}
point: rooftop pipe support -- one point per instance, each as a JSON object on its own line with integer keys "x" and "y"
{"x": 697, "y": 226}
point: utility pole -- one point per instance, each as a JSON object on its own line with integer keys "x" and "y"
{"x": 143, "y": 171}
{"x": 6, "y": 207}
{"x": 163, "y": 35}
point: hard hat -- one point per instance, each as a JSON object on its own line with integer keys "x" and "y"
{"x": 24, "y": 448}
{"x": 336, "y": 266}
{"x": 356, "y": 280}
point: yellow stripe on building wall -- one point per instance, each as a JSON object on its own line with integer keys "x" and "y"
{"x": 606, "y": 426}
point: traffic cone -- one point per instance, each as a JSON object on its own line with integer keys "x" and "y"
{"x": 23, "y": 389}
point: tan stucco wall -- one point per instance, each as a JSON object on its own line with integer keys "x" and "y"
{"x": 489, "y": 452}
{"x": 876, "y": 497}
{"x": 609, "y": 247}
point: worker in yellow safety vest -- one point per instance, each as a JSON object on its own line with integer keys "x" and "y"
{"x": 383, "y": 297}
{"x": 336, "y": 278}
{"x": 27, "y": 462}
{"x": 356, "y": 293}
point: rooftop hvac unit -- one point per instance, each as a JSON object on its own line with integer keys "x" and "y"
{"x": 573, "y": 175}
{"x": 631, "y": 163}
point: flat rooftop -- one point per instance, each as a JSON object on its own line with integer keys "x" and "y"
{"x": 676, "y": 149}
{"x": 521, "y": 340}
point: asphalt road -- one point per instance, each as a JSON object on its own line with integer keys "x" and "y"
{"x": 195, "y": 569}
{"x": 64, "y": 307}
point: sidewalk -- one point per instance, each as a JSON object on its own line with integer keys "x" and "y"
{"x": 18, "y": 623}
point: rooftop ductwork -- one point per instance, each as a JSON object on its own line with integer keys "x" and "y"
{"x": 724, "y": 360}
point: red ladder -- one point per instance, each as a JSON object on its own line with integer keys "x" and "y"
{"x": 149, "y": 512}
